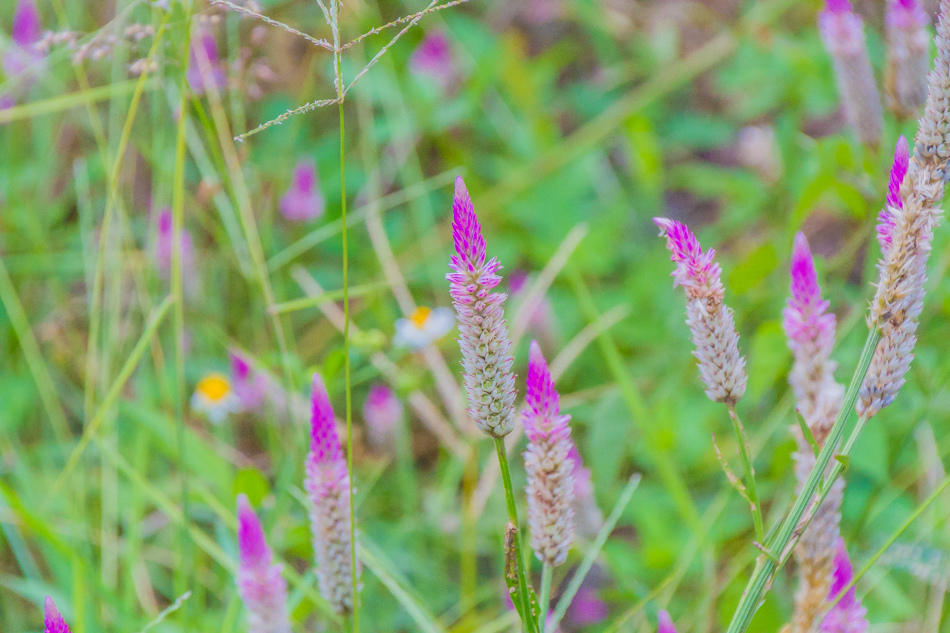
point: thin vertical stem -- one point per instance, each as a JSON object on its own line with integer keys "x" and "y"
{"x": 528, "y": 622}
{"x": 547, "y": 571}
{"x": 749, "y": 473}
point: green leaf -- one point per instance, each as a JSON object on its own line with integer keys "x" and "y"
{"x": 251, "y": 482}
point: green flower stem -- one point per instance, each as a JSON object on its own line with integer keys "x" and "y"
{"x": 767, "y": 566}
{"x": 749, "y": 473}
{"x": 528, "y": 622}
{"x": 546, "y": 573}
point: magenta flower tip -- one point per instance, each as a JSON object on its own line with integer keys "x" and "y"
{"x": 252, "y": 544}
{"x": 806, "y": 317}
{"x": 886, "y": 218}
{"x": 665, "y": 623}
{"x": 540, "y": 393}
{"x": 324, "y": 441}
{"x": 26, "y": 24}
{"x": 848, "y": 615}
{"x": 694, "y": 268}
{"x": 838, "y": 6}
{"x": 53, "y": 620}
{"x": 466, "y": 230}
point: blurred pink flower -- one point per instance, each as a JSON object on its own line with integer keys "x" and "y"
{"x": 164, "y": 245}
{"x": 541, "y": 321}
{"x": 260, "y": 583}
{"x": 665, "y": 623}
{"x": 25, "y": 33}
{"x": 249, "y": 386}
{"x": 303, "y": 199}
{"x": 848, "y": 615}
{"x": 586, "y": 608}
{"x": 383, "y": 414}
{"x": 204, "y": 42}
{"x": 53, "y": 621}
{"x": 433, "y": 59}
{"x": 588, "y": 518}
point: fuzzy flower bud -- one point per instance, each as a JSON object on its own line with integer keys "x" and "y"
{"x": 550, "y": 488}
{"x": 328, "y": 486}
{"x": 908, "y": 56}
{"x": 848, "y": 615}
{"x": 710, "y": 321}
{"x": 53, "y": 621}
{"x": 843, "y": 33}
{"x": 383, "y": 413}
{"x": 483, "y": 333}
{"x": 259, "y": 580}
{"x": 810, "y": 329}
{"x": 665, "y": 623}
{"x": 898, "y": 300}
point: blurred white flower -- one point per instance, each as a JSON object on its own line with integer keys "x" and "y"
{"x": 424, "y": 326}
{"x": 215, "y": 398}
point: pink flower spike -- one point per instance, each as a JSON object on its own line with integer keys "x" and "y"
{"x": 259, "y": 579}
{"x": 53, "y": 620}
{"x": 695, "y": 270}
{"x": 27, "y": 28}
{"x": 806, "y": 317}
{"x": 303, "y": 199}
{"x": 466, "y": 229}
{"x": 205, "y": 43}
{"x": 665, "y": 623}
{"x": 848, "y": 615}
{"x": 324, "y": 440}
{"x": 894, "y": 203}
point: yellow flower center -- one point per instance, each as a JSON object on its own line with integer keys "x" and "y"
{"x": 214, "y": 387}
{"x": 420, "y": 316}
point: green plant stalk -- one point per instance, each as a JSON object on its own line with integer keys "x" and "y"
{"x": 546, "y": 572}
{"x": 528, "y": 622}
{"x": 749, "y": 473}
{"x": 767, "y": 566}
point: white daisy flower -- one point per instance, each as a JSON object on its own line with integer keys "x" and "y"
{"x": 424, "y": 326}
{"x": 215, "y": 398}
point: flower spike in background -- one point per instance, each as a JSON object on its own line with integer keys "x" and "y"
{"x": 843, "y": 33}
{"x": 259, "y": 580}
{"x": 550, "y": 470}
{"x": 328, "y": 486}
{"x": 810, "y": 329}
{"x": 665, "y": 623}
{"x": 483, "y": 333}
{"x": 908, "y": 56}
{"x": 303, "y": 200}
{"x": 721, "y": 366}
{"x": 847, "y": 615}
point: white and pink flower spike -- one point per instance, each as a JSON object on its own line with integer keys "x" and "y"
{"x": 53, "y": 621}
{"x": 260, "y": 583}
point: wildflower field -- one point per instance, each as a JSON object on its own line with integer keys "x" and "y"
{"x": 474, "y": 316}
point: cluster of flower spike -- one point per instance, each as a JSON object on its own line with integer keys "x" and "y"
{"x": 847, "y": 615}
{"x": 810, "y": 329}
{"x": 483, "y": 334}
{"x": 328, "y": 486}
{"x": 906, "y": 235}
{"x": 53, "y": 621}
{"x": 843, "y": 33}
{"x": 550, "y": 470}
{"x": 710, "y": 321}
{"x": 908, "y": 56}
{"x": 259, "y": 580}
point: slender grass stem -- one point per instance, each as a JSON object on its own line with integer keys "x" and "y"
{"x": 529, "y": 624}
{"x": 547, "y": 571}
{"x": 749, "y": 473}
{"x": 765, "y": 566}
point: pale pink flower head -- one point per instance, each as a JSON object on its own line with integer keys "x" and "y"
{"x": 906, "y": 14}
{"x": 806, "y": 318}
{"x": 25, "y": 33}
{"x": 848, "y": 615}
{"x": 542, "y": 418}
{"x": 259, "y": 579}
{"x": 203, "y": 43}
{"x": 665, "y": 623}
{"x": 841, "y": 28}
{"x": 303, "y": 199}
{"x": 164, "y": 245}
{"x": 53, "y": 621}
{"x": 894, "y": 203}
{"x": 383, "y": 413}
{"x": 249, "y": 386}
{"x": 324, "y": 439}
{"x": 483, "y": 332}
{"x": 252, "y": 544}
{"x": 696, "y": 270}
{"x": 433, "y": 59}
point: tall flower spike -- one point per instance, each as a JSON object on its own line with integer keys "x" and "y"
{"x": 810, "y": 329}
{"x": 711, "y": 322}
{"x": 899, "y": 298}
{"x": 260, "y": 583}
{"x": 894, "y": 204}
{"x": 550, "y": 470}
{"x": 483, "y": 334}
{"x": 848, "y": 615}
{"x": 328, "y": 486}
{"x": 843, "y": 33}
{"x": 908, "y": 56}
{"x": 53, "y": 621}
